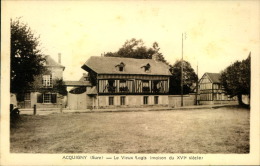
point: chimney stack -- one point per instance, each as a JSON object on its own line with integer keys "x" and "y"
{"x": 59, "y": 58}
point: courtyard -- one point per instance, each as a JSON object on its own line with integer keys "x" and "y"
{"x": 220, "y": 130}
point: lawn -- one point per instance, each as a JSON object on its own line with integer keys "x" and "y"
{"x": 222, "y": 130}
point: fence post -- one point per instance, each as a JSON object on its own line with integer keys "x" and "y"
{"x": 61, "y": 108}
{"x": 34, "y": 109}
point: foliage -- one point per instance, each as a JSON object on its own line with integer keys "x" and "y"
{"x": 236, "y": 78}
{"x": 26, "y": 59}
{"x": 59, "y": 87}
{"x": 189, "y": 78}
{"x": 135, "y": 49}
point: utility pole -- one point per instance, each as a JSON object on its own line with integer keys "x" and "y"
{"x": 182, "y": 70}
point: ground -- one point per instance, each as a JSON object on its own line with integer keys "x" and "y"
{"x": 222, "y": 130}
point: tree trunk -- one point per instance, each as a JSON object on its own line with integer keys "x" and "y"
{"x": 239, "y": 98}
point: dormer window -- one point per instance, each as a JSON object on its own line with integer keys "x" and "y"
{"x": 147, "y": 68}
{"x": 121, "y": 67}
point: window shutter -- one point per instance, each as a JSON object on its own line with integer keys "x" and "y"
{"x": 39, "y": 98}
{"x": 53, "y": 98}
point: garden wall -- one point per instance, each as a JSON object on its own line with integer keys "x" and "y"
{"x": 175, "y": 100}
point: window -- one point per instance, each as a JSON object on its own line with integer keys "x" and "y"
{"x": 156, "y": 87}
{"x": 111, "y": 82}
{"x": 122, "y": 100}
{"x": 145, "y": 100}
{"x": 122, "y": 83}
{"x": 27, "y": 96}
{"x": 156, "y": 99}
{"x": 111, "y": 100}
{"x": 47, "y": 81}
{"x": 145, "y": 83}
{"x": 47, "y": 98}
{"x": 122, "y": 86}
{"x": 121, "y": 66}
{"x": 146, "y": 87}
{"x": 111, "y": 88}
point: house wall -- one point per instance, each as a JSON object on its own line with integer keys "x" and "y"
{"x": 60, "y": 100}
{"x": 90, "y": 100}
{"x": 132, "y": 101}
{"x": 188, "y": 100}
{"x": 57, "y": 72}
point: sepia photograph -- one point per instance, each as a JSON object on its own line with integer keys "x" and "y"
{"x": 130, "y": 83}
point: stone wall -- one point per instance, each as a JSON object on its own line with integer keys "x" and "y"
{"x": 188, "y": 100}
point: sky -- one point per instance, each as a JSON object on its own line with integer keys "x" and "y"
{"x": 218, "y": 33}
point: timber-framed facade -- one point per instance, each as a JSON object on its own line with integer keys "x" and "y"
{"x": 128, "y": 82}
{"x": 211, "y": 90}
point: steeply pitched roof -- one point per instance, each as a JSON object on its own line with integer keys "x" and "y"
{"x": 214, "y": 77}
{"x": 108, "y": 65}
{"x": 52, "y": 63}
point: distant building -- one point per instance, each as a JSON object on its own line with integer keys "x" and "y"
{"x": 120, "y": 82}
{"x": 211, "y": 91}
{"x": 42, "y": 93}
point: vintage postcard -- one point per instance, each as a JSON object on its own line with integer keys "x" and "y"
{"x": 130, "y": 82}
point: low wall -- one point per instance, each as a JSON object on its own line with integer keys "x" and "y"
{"x": 217, "y": 102}
{"x": 175, "y": 100}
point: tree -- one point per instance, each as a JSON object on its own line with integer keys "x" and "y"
{"x": 26, "y": 58}
{"x": 58, "y": 85}
{"x": 236, "y": 79}
{"x": 135, "y": 49}
{"x": 189, "y": 78}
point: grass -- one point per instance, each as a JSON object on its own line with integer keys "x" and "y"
{"x": 222, "y": 130}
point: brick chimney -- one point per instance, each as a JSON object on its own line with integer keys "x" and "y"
{"x": 59, "y": 58}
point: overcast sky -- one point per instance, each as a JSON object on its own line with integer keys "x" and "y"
{"x": 218, "y": 32}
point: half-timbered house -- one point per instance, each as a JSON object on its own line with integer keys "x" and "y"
{"x": 211, "y": 90}
{"x": 127, "y": 81}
